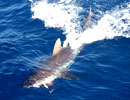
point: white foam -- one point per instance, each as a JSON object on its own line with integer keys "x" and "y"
{"x": 65, "y": 15}
{"x": 109, "y": 26}
{"x": 57, "y": 15}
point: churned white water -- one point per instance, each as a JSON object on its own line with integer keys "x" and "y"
{"x": 65, "y": 14}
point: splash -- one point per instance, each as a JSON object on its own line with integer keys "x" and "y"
{"x": 114, "y": 23}
{"x": 57, "y": 15}
{"x": 65, "y": 14}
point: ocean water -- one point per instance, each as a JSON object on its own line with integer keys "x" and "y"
{"x": 29, "y": 29}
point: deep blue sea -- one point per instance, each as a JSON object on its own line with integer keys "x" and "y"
{"x": 29, "y": 29}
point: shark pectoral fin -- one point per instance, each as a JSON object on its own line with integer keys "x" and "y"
{"x": 70, "y": 76}
{"x": 57, "y": 47}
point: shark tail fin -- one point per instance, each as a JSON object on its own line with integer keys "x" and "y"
{"x": 70, "y": 76}
{"x": 88, "y": 19}
{"x": 57, "y": 47}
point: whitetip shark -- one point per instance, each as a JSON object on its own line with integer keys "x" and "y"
{"x": 55, "y": 66}
{"x": 45, "y": 77}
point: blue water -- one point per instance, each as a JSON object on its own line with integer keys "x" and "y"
{"x": 103, "y": 65}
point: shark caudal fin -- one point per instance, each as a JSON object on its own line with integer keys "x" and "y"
{"x": 88, "y": 19}
{"x": 57, "y": 47}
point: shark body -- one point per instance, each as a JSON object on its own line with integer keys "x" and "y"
{"x": 52, "y": 68}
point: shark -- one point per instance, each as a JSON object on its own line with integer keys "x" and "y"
{"x": 52, "y": 68}
{"x": 55, "y": 66}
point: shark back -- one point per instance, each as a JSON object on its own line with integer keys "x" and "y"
{"x": 52, "y": 68}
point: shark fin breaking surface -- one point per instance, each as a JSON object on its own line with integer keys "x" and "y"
{"x": 57, "y": 47}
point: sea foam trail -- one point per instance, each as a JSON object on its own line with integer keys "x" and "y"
{"x": 65, "y": 14}
{"x": 114, "y": 23}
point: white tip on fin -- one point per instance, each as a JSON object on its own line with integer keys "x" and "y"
{"x": 57, "y": 47}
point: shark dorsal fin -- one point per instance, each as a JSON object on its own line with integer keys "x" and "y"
{"x": 57, "y": 47}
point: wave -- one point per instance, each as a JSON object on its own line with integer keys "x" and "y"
{"x": 65, "y": 14}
